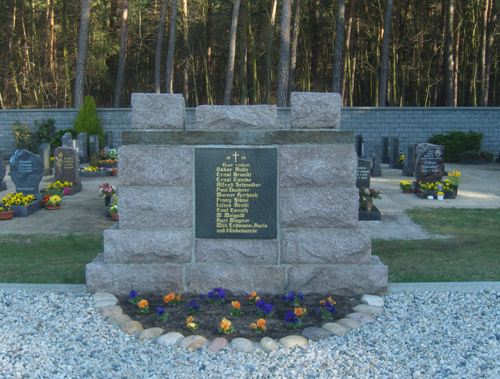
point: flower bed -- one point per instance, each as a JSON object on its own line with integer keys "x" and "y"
{"x": 22, "y": 205}
{"x": 220, "y": 313}
{"x": 94, "y": 172}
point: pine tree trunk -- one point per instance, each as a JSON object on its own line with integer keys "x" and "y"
{"x": 232, "y": 53}
{"x": 449, "y": 54}
{"x": 295, "y": 42}
{"x": 284, "y": 62}
{"x": 159, "y": 46}
{"x": 187, "y": 50}
{"x": 492, "y": 26}
{"x": 171, "y": 48}
{"x": 244, "y": 53}
{"x": 338, "y": 59}
{"x": 384, "y": 60}
{"x": 122, "y": 56}
{"x": 269, "y": 51}
{"x": 7, "y": 55}
{"x": 81, "y": 59}
{"x": 314, "y": 36}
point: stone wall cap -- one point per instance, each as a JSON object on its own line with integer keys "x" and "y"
{"x": 234, "y": 137}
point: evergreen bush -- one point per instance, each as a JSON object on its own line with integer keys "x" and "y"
{"x": 87, "y": 120}
{"x": 456, "y": 143}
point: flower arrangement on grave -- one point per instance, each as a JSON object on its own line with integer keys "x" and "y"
{"x": 263, "y": 309}
{"x": 190, "y": 324}
{"x": 401, "y": 158}
{"x": 406, "y": 186}
{"x": 259, "y": 326}
{"x": 235, "y": 308}
{"x": 366, "y": 196}
{"x": 161, "y": 314}
{"x": 59, "y": 188}
{"x": 225, "y": 326}
{"x": 172, "y": 298}
{"x": 89, "y": 169}
{"x": 54, "y": 202}
{"x": 326, "y": 308}
{"x": 107, "y": 191}
{"x": 5, "y": 212}
{"x": 18, "y": 199}
{"x": 454, "y": 177}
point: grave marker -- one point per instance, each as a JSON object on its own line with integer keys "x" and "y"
{"x": 66, "y": 165}
{"x": 360, "y": 146}
{"x": 3, "y": 171}
{"x": 409, "y": 163}
{"x": 44, "y": 152}
{"x": 429, "y": 165}
{"x": 374, "y": 153}
{"x": 26, "y": 170}
{"x": 108, "y": 139}
{"x": 93, "y": 145}
{"x": 65, "y": 139}
{"x": 363, "y": 173}
{"x": 385, "y": 150}
{"x": 83, "y": 144}
{"x": 394, "y": 152}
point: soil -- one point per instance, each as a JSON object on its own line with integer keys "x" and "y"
{"x": 210, "y": 314}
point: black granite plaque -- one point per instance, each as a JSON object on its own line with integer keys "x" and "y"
{"x": 429, "y": 164}
{"x": 363, "y": 173}
{"x": 236, "y": 195}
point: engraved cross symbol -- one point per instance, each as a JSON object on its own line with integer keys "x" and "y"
{"x": 235, "y": 155}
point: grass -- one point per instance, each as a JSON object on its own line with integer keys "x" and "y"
{"x": 41, "y": 258}
{"x": 472, "y": 253}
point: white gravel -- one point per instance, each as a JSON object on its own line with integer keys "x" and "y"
{"x": 420, "y": 335}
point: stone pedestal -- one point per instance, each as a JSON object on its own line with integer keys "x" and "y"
{"x": 317, "y": 247}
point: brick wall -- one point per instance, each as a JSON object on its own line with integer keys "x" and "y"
{"x": 411, "y": 125}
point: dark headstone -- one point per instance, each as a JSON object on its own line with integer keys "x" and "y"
{"x": 394, "y": 152}
{"x": 409, "y": 163}
{"x": 360, "y": 146}
{"x": 374, "y": 154}
{"x": 385, "y": 150}
{"x": 44, "y": 152}
{"x": 236, "y": 194}
{"x": 26, "y": 170}
{"x": 83, "y": 144}
{"x": 93, "y": 145}
{"x": 66, "y": 139}
{"x": 67, "y": 165}
{"x": 108, "y": 139}
{"x": 429, "y": 162}
{"x": 3, "y": 171}
{"x": 363, "y": 173}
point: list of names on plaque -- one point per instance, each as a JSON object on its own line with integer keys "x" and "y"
{"x": 235, "y": 193}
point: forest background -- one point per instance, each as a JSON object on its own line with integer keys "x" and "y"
{"x": 376, "y": 53}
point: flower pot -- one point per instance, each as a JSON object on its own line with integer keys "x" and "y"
{"x": 440, "y": 197}
{"x": 114, "y": 216}
{"x": 52, "y": 207}
{"x": 7, "y": 215}
{"x": 114, "y": 171}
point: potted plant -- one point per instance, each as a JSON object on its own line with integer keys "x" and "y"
{"x": 406, "y": 186}
{"x": 54, "y": 202}
{"x": 22, "y": 205}
{"x": 366, "y": 196}
{"x": 5, "y": 212}
{"x": 107, "y": 190}
{"x": 113, "y": 209}
{"x": 440, "y": 195}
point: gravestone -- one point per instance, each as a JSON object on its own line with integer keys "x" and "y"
{"x": 93, "y": 146}
{"x": 83, "y": 147}
{"x": 385, "y": 150}
{"x": 44, "y": 152}
{"x": 108, "y": 139}
{"x": 363, "y": 173}
{"x": 360, "y": 146}
{"x": 409, "y": 163}
{"x": 429, "y": 162}
{"x": 67, "y": 165}
{"x": 3, "y": 171}
{"x": 26, "y": 170}
{"x": 394, "y": 152}
{"x": 66, "y": 139}
{"x": 374, "y": 154}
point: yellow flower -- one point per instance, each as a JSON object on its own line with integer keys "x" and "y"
{"x": 225, "y": 324}
{"x": 143, "y": 304}
{"x": 191, "y": 325}
{"x": 235, "y": 304}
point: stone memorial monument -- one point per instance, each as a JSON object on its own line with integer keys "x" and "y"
{"x": 409, "y": 163}
{"x": 394, "y": 153}
{"x": 363, "y": 173}
{"x": 360, "y": 146}
{"x": 242, "y": 208}
{"x": 3, "y": 171}
{"x": 83, "y": 144}
{"x": 108, "y": 139}
{"x": 26, "y": 171}
{"x": 385, "y": 150}
{"x": 93, "y": 146}
{"x": 44, "y": 152}
{"x": 429, "y": 162}
{"x": 66, "y": 168}
{"x": 66, "y": 140}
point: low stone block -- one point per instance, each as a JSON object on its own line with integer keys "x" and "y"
{"x": 293, "y": 341}
{"x": 248, "y": 251}
{"x": 313, "y": 333}
{"x": 341, "y": 279}
{"x": 223, "y": 117}
{"x": 335, "y": 328}
{"x": 142, "y": 246}
{"x": 374, "y": 300}
{"x": 155, "y": 208}
{"x": 101, "y": 296}
{"x": 111, "y": 311}
{"x": 363, "y": 318}
{"x": 325, "y": 246}
{"x": 157, "y": 111}
{"x": 170, "y": 338}
{"x": 243, "y": 345}
{"x": 150, "y": 333}
{"x": 194, "y": 342}
{"x": 217, "y": 344}
{"x": 118, "y": 319}
{"x": 317, "y": 165}
{"x": 349, "y": 323}
{"x": 314, "y": 110}
{"x": 240, "y": 279}
{"x": 268, "y": 344}
{"x": 370, "y": 309}
{"x": 335, "y": 207}
{"x": 120, "y": 278}
{"x": 155, "y": 165}
{"x": 132, "y": 327}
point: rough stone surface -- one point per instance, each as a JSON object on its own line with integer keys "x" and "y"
{"x": 221, "y": 117}
{"x": 239, "y": 278}
{"x": 169, "y": 339}
{"x": 314, "y": 110}
{"x": 335, "y": 328}
{"x": 268, "y": 344}
{"x": 217, "y": 344}
{"x": 131, "y": 327}
{"x": 194, "y": 342}
{"x": 317, "y": 165}
{"x": 118, "y": 319}
{"x": 121, "y": 278}
{"x": 157, "y": 111}
{"x": 150, "y": 333}
{"x": 100, "y": 296}
{"x": 142, "y": 246}
{"x": 111, "y": 311}
{"x": 319, "y": 207}
{"x": 243, "y": 345}
{"x": 155, "y": 165}
{"x": 249, "y": 251}
{"x": 293, "y": 341}
{"x": 361, "y": 317}
{"x": 341, "y": 279}
{"x": 314, "y": 333}
{"x": 370, "y": 309}
{"x": 349, "y": 323}
{"x": 155, "y": 207}
{"x": 374, "y": 300}
{"x": 105, "y": 303}
{"x": 26, "y": 171}
{"x": 325, "y": 246}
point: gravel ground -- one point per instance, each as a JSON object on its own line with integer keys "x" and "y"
{"x": 421, "y": 335}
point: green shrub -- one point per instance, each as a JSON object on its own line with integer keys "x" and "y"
{"x": 56, "y": 141}
{"x": 456, "y": 143}
{"x": 87, "y": 120}
{"x": 46, "y": 131}
{"x": 479, "y": 156}
{"x": 24, "y": 136}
